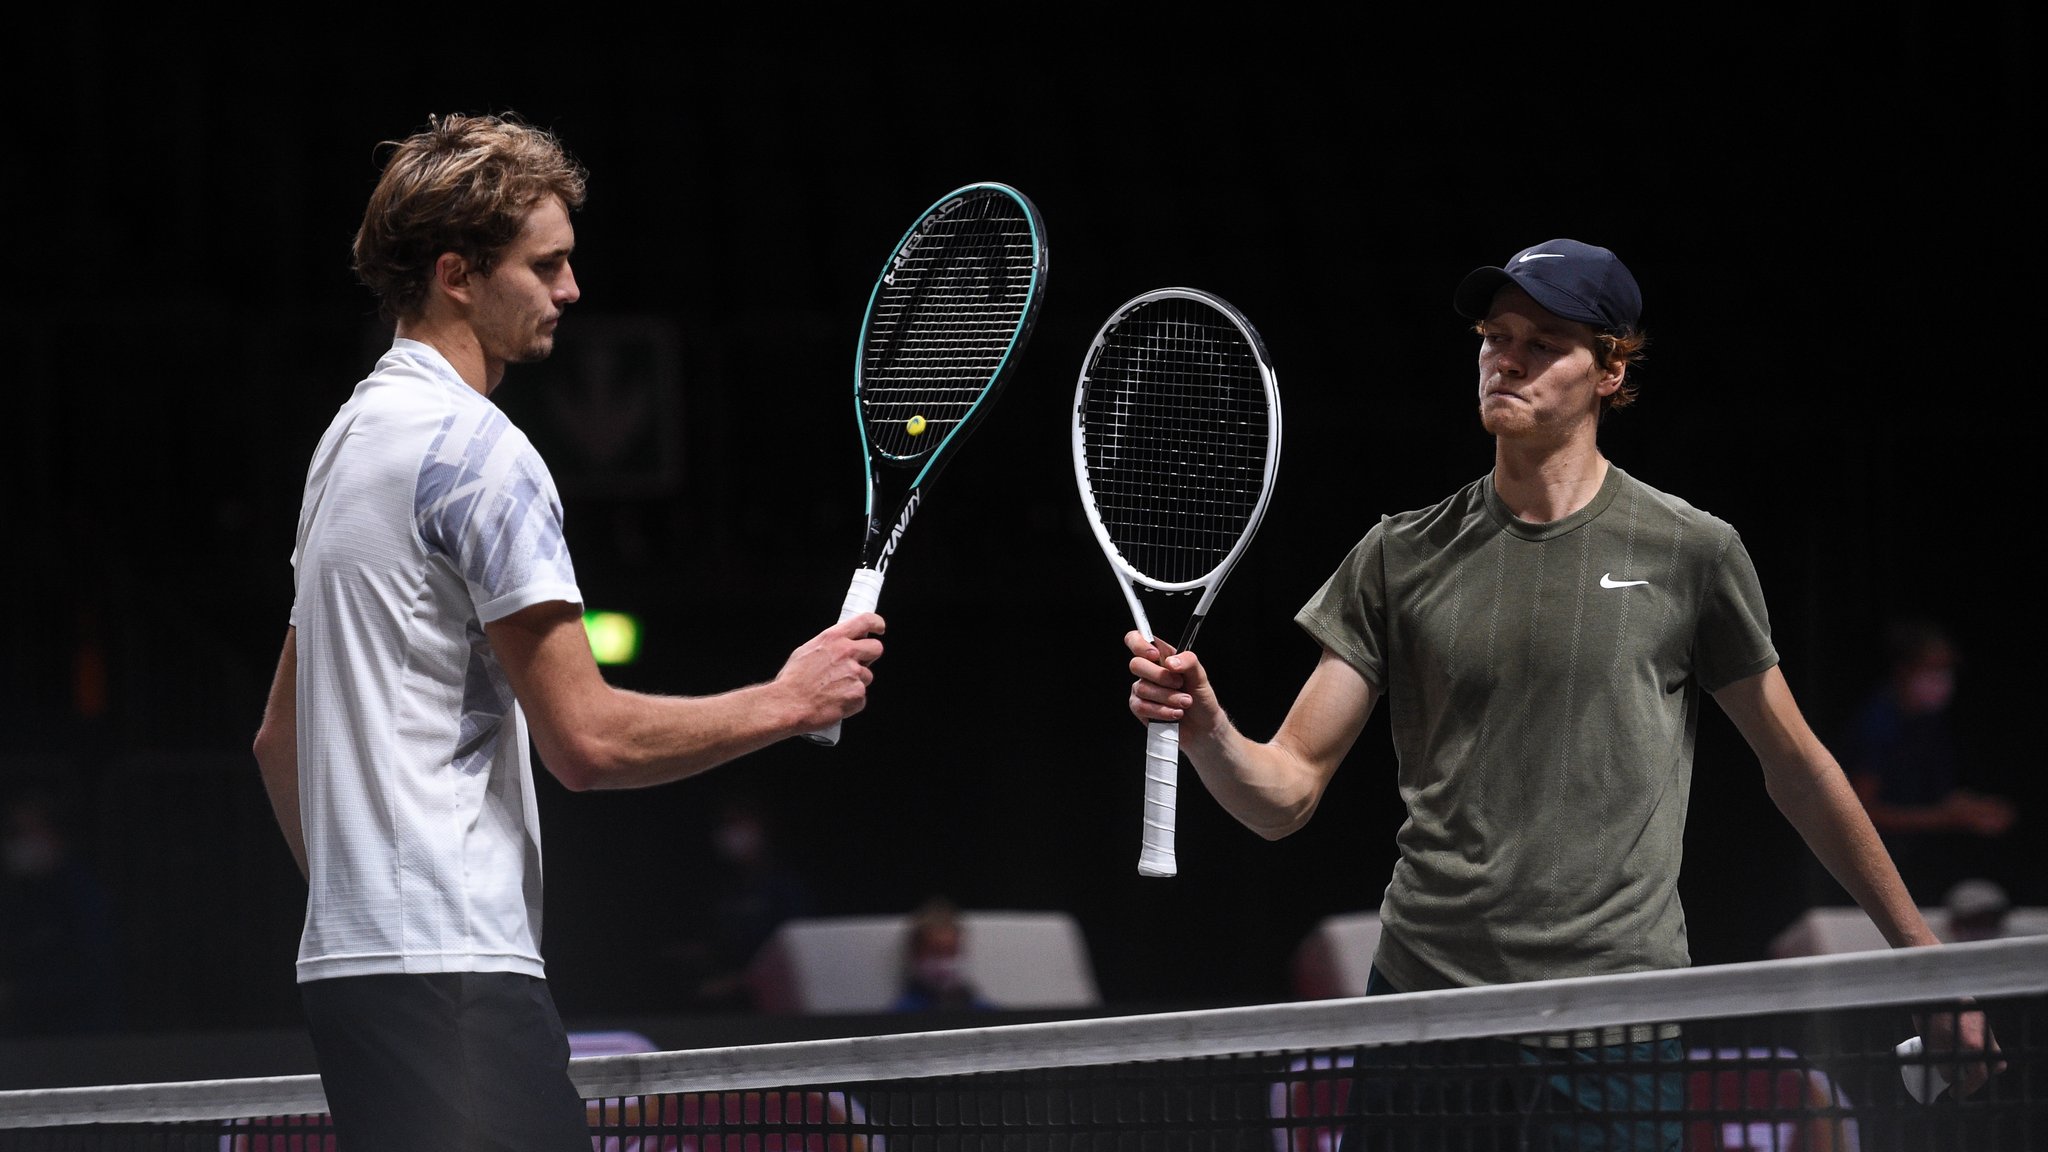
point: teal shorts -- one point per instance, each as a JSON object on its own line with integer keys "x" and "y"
{"x": 1583, "y": 1086}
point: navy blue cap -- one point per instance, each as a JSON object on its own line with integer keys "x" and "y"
{"x": 1577, "y": 281}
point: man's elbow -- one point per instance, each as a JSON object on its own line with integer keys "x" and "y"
{"x": 1797, "y": 786}
{"x": 575, "y": 770}
{"x": 1280, "y": 823}
{"x": 582, "y": 761}
{"x": 578, "y": 739}
{"x": 1279, "y": 831}
{"x": 269, "y": 748}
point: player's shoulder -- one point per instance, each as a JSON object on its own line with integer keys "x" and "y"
{"x": 414, "y": 382}
{"x": 1457, "y": 508}
{"x": 1657, "y": 502}
{"x": 410, "y": 382}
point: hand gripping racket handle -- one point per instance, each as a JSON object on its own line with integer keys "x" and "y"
{"x": 861, "y": 596}
{"x": 1924, "y": 1079}
{"x": 1162, "y": 787}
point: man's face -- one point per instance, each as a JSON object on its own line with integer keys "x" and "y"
{"x": 936, "y": 960}
{"x": 1537, "y": 373}
{"x": 518, "y": 305}
{"x": 1929, "y": 681}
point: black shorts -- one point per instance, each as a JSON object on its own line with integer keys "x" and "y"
{"x": 444, "y": 1061}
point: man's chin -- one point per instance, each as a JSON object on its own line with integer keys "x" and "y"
{"x": 1500, "y": 422}
{"x": 537, "y": 351}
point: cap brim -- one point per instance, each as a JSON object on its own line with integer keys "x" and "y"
{"x": 1474, "y": 297}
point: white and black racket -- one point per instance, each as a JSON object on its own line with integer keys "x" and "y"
{"x": 945, "y": 326}
{"x": 1176, "y": 444}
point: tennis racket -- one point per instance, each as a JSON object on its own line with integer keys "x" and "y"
{"x": 1176, "y": 444}
{"x": 945, "y": 326}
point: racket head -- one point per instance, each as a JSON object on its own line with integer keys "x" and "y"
{"x": 1176, "y": 438}
{"x": 947, "y": 320}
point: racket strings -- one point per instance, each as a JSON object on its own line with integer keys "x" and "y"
{"x": 1176, "y": 431}
{"x": 944, "y": 321}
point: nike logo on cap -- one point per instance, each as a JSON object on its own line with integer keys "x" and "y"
{"x": 1525, "y": 257}
{"x": 1607, "y": 580}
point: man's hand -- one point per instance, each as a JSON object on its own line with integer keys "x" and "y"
{"x": 1961, "y": 1049}
{"x": 828, "y": 675}
{"x": 1171, "y": 687}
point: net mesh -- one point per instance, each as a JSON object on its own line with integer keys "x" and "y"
{"x": 1779, "y": 1056}
{"x": 957, "y": 296}
{"x": 1174, "y": 431}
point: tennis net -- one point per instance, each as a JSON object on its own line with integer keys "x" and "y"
{"x": 1800, "y": 1055}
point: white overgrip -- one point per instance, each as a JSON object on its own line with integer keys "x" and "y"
{"x": 861, "y": 596}
{"x": 1923, "y": 1077}
{"x": 1162, "y": 786}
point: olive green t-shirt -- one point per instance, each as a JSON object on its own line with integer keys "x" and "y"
{"x": 1543, "y": 683}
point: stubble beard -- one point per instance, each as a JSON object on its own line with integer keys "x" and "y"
{"x": 1505, "y": 420}
{"x": 536, "y": 349}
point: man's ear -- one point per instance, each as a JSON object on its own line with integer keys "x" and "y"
{"x": 453, "y": 276}
{"x": 1611, "y": 378}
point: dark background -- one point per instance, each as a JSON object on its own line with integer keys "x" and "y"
{"x": 1835, "y": 229}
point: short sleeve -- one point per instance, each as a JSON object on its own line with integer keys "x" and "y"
{"x": 487, "y": 503}
{"x": 1348, "y": 614}
{"x": 1734, "y": 637}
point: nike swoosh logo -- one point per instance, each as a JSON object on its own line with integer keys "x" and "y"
{"x": 1528, "y": 256}
{"x": 1607, "y": 580}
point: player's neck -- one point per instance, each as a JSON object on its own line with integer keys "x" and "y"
{"x": 1548, "y": 483}
{"x": 457, "y": 342}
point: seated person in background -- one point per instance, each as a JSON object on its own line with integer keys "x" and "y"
{"x": 935, "y": 965}
{"x": 1902, "y": 756}
{"x": 59, "y": 947}
{"x": 1976, "y": 911}
{"x": 754, "y": 891}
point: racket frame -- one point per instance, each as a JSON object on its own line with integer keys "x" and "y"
{"x": 879, "y": 545}
{"x": 1158, "y": 855}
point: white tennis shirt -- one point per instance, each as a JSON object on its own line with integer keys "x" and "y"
{"x": 426, "y": 515}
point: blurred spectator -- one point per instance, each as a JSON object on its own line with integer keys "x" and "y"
{"x": 1902, "y": 755}
{"x": 935, "y": 963}
{"x": 1977, "y": 910}
{"x": 59, "y": 965}
{"x": 753, "y": 891}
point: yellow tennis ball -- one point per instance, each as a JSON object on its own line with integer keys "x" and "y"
{"x": 914, "y": 425}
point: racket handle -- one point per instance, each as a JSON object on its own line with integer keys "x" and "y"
{"x": 1162, "y": 786}
{"x": 861, "y": 596}
{"x": 1923, "y": 1078}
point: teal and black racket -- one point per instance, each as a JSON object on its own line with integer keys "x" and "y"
{"x": 945, "y": 327}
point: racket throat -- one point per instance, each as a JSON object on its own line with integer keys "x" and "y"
{"x": 895, "y": 536}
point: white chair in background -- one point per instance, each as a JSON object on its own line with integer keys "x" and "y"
{"x": 852, "y": 964}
